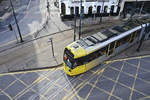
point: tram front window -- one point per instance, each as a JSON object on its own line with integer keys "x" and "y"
{"x": 69, "y": 62}
{"x": 72, "y": 63}
{"x": 68, "y": 59}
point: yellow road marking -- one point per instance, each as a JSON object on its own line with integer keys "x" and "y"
{"x": 94, "y": 85}
{"x": 80, "y": 86}
{"x": 7, "y": 95}
{"x": 143, "y": 98}
{"x": 105, "y": 91}
{"x": 130, "y": 97}
{"x": 123, "y": 59}
{"x": 24, "y": 72}
{"x": 116, "y": 81}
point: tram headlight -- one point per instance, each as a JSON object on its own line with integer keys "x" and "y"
{"x": 65, "y": 57}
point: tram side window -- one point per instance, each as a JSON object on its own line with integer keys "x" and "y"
{"x": 122, "y": 41}
{"x": 80, "y": 61}
{"x": 104, "y": 50}
{"x": 112, "y": 45}
{"x": 138, "y": 32}
{"x": 132, "y": 36}
{"x": 93, "y": 56}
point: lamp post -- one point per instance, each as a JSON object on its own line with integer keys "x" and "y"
{"x": 102, "y": 11}
{"x": 80, "y": 18}
{"x": 75, "y": 24}
{"x": 16, "y": 21}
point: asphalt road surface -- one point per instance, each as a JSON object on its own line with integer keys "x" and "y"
{"x": 121, "y": 80}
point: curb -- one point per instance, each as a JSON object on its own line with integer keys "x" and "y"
{"x": 31, "y": 70}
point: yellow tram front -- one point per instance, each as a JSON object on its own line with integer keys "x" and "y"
{"x": 73, "y": 56}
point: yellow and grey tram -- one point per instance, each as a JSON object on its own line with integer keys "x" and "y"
{"x": 86, "y": 53}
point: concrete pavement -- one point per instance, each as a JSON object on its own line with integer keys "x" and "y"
{"x": 35, "y": 54}
{"x": 31, "y": 18}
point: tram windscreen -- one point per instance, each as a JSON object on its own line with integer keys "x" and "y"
{"x": 69, "y": 59}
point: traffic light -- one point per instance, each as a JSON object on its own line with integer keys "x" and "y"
{"x": 10, "y": 27}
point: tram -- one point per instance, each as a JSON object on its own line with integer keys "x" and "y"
{"x": 68, "y": 8}
{"x": 86, "y": 53}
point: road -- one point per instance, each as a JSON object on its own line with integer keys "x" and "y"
{"x": 120, "y": 80}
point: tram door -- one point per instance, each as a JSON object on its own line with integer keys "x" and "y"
{"x": 133, "y": 36}
{"x": 111, "y": 48}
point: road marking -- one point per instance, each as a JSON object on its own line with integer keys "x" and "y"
{"x": 128, "y": 86}
{"x": 80, "y": 86}
{"x": 94, "y": 85}
{"x": 7, "y": 95}
{"x": 116, "y": 81}
{"x": 133, "y": 85}
{"x": 143, "y": 98}
{"x": 123, "y": 59}
{"x": 23, "y": 72}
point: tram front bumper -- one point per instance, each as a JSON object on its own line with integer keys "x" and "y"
{"x": 76, "y": 71}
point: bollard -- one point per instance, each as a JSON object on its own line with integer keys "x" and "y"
{"x": 51, "y": 40}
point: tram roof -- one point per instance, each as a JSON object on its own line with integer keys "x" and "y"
{"x": 106, "y": 34}
{"x": 118, "y": 31}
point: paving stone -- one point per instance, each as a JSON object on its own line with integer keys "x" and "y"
{"x": 96, "y": 94}
{"x": 5, "y": 80}
{"x": 42, "y": 86}
{"x": 117, "y": 64}
{"x": 29, "y": 78}
{"x": 122, "y": 92}
{"x": 93, "y": 80}
{"x": 84, "y": 91}
{"x": 145, "y": 65}
{"x": 111, "y": 73}
{"x": 145, "y": 76}
{"x": 3, "y": 96}
{"x": 126, "y": 80}
{"x": 136, "y": 96}
{"x": 142, "y": 86}
{"x": 29, "y": 95}
{"x": 113, "y": 98}
{"x": 129, "y": 69}
{"x": 105, "y": 84}
{"x": 146, "y": 59}
{"x": 15, "y": 88}
{"x": 133, "y": 61}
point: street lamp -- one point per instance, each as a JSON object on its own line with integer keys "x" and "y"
{"x": 21, "y": 40}
{"x": 80, "y": 19}
{"x": 74, "y": 24}
{"x": 102, "y": 11}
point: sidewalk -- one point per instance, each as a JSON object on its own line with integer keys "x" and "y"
{"x": 32, "y": 19}
{"x": 35, "y": 54}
